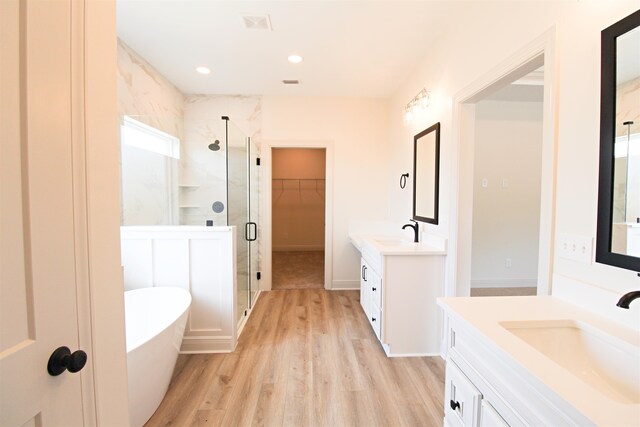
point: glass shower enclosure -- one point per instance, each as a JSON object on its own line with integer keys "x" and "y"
{"x": 242, "y": 212}
{"x": 209, "y": 177}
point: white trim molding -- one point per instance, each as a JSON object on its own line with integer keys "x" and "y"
{"x": 344, "y": 285}
{"x": 266, "y": 207}
{"x": 540, "y": 52}
{"x": 504, "y": 283}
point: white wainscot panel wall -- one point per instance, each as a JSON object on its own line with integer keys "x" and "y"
{"x": 199, "y": 259}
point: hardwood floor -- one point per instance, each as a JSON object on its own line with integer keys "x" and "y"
{"x": 306, "y": 357}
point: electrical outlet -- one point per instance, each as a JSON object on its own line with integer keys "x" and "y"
{"x": 507, "y": 262}
{"x": 485, "y": 182}
{"x": 576, "y": 248}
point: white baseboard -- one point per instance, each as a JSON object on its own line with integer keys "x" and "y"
{"x": 195, "y": 345}
{"x": 504, "y": 283}
{"x": 297, "y": 248}
{"x": 342, "y": 285}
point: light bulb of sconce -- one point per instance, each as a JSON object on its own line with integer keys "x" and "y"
{"x": 407, "y": 115}
{"x": 416, "y": 108}
{"x": 425, "y": 100}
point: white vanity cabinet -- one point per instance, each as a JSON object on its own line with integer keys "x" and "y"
{"x": 371, "y": 295}
{"x": 398, "y": 291}
{"x": 464, "y": 403}
{"x": 538, "y": 361}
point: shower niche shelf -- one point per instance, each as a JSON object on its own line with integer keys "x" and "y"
{"x": 188, "y": 185}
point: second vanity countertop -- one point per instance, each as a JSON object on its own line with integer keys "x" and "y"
{"x": 396, "y": 245}
{"x": 487, "y": 316}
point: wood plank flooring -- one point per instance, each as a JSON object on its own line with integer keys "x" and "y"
{"x": 306, "y": 357}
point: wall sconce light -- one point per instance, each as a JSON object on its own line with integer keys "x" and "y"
{"x": 418, "y": 104}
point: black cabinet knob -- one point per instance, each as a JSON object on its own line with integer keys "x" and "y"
{"x": 373, "y": 319}
{"x": 63, "y": 360}
{"x": 454, "y": 405}
{"x": 374, "y": 289}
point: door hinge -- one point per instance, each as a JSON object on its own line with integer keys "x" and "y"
{"x": 257, "y": 161}
{"x": 258, "y": 275}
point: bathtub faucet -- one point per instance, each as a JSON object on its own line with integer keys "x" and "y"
{"x": 626, "y": 299}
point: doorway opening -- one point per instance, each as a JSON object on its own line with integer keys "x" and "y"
{"x": 298, "y": 204}
{"x": 506, "y": 188}
{"x": 502, "y": 175}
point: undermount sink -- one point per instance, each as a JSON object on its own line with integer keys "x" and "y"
{"x": 606, "y": 363}
{"x": 393, "y": 242}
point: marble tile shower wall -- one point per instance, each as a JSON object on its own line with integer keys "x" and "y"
{"x": 147, "y": 96}
{"x": 627, "y": 106}
{"x": 202, "y": 171}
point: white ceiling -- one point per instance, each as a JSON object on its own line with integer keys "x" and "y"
{"x": 350, "y": 48}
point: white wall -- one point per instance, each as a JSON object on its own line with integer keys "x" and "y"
{"x": 358, "y": 130}
{"x": 488, "y": 35}
{"x": 506, "y": 214}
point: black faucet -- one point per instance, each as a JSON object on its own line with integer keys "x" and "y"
{"x": 415, "y": 229}
{"x": 626, "y": 299}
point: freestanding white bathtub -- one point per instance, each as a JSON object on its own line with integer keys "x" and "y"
{"x": 155, "y": 319}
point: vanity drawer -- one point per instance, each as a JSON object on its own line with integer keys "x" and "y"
{"x": 462, "y": 398}
{"x": 375, "y": 318}
{"x": 489, "y": 417}
{"x": 375, "y": 286}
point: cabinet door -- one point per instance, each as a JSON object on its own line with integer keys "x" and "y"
{"x": 375, "y": 287}
{"x": 489, "y": 417}
{"x": 461, "y": 397}
{"x": 365, "y": 297}
{"x": 375, "y": 318}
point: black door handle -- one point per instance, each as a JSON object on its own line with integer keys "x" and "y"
{"x": 247, "y": 231}
{"x": 63, "y": 360}
{"x": 454, "y": 405}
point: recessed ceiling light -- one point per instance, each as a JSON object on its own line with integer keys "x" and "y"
{"x": 295, "y": 59}
{"x": 203, "y": 70}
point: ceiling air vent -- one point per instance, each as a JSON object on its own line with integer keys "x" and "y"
{"x": 256, "y": 22}
{"x": 291, "y": 82}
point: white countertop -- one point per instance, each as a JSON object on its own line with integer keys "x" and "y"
{"x": 483, "y": 315}
{"x": 394, "y": 245}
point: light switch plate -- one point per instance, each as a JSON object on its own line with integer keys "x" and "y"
{"x": 576, "y": 248}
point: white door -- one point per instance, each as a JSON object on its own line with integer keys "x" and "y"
{"x": 38, "y": 306}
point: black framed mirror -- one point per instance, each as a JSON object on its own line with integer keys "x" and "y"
{"x": 426, "y": 174}
{"x": 618, "y": 234}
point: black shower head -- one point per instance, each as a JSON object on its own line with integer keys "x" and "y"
{"x": 215, "y": 146}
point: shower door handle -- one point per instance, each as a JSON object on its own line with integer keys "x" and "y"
{"x": 247, "y": 231}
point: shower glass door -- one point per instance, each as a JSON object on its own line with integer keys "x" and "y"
{"x": 254, "y": 255}
{"x": 237, "y": 211}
